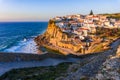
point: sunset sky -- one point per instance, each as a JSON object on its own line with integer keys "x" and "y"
{"x": 43, "y": 10}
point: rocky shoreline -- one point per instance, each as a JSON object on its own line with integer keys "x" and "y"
{"x": 96, "y": 66}
{"x": 92, "y": 65}
{"x": 104, "y": 66}
{"x": 100, "y": 66}
{"x": 60, "y": 42}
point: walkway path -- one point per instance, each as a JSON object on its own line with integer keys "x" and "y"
{"x": 4, "y": 67}
{"x": 94, "y": 63}
{"x": 7, "y": 66}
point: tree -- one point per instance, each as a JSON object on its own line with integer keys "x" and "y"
{"x": 91, "y": 12}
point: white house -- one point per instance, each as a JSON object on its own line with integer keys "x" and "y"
{"x": 60, "y": 24}
{"x": 106, "y": 23}
{"x": 117, "y": 23}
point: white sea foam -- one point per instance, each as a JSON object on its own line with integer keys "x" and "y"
{"x": 28, "y": 46}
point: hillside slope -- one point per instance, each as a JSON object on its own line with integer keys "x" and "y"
{"x": 114, "y": 15}
{"x": 101, "y": 66}
{"x": 104, "y": 66}
{"x": 57, "y": 40}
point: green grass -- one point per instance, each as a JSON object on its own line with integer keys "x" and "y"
{"x": 37, "y": 73}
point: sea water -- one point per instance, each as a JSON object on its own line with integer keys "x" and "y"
{"x": 19, "y": 36}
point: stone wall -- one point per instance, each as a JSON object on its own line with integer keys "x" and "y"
{"x": 13, "y": 57}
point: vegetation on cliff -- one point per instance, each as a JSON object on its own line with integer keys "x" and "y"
{"x": 102, "y": 66}
{"x": 38, "y": 73}
{"x": 115, "y": 15}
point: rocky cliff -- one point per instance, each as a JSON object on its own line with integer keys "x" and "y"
{"x": 55, "y": 39}
{"x": 101, "y": 66}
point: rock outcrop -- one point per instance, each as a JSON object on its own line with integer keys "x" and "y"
{"x": 57, "y": 40}
{"x": 102, "y": 66}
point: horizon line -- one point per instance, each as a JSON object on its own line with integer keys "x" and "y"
{"x": 50, "y": 18}
{"x": 23, "y": 21}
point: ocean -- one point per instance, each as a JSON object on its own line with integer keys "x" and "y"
{"x": 18, "y": 37}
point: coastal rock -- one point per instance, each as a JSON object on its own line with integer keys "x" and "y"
{"x": 104, "y": 66}
{"x": 54, "y": 38}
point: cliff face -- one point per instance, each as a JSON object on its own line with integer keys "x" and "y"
{"x": 55, "y": 39}
{"x": 101, "y": 66}
{"x": 54, "y": 33}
